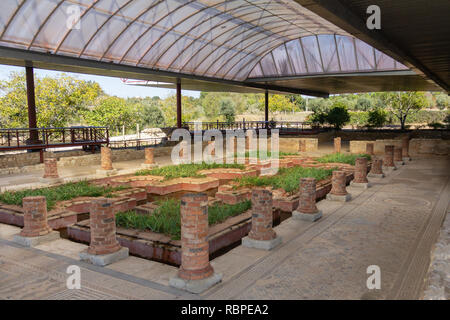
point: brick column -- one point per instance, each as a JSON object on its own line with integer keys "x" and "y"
{"x": 369, "y": 148}
{"x": 149, "y": 156}
{"x": 104, "y": 248}
{"x": 376, "y": 170}
{"x": 360, "y": 170}
{"x": 196, "y": 273}
{"x": 338, "y": 187}
{"x": 262, "y": 236}
{"x": 360, "y": 175}
{"x": 307, "y": 209}
{"x": 105, "y": 156}
{"x": 35, "y": 224}
{"x": 34, "y": 217}
{"x": 103, "y": 227}
{"x": 405, "y": 149}
{"x": 337, "y": 145}
{"x": 302, "y": 146}
{"x": 50, "y": 169}
{"x": 398, "y": 159}
{"x": 388, "y": 161}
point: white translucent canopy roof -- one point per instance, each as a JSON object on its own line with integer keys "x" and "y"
{"x": 323, "y": 54}
{"x": 232, "y": 40}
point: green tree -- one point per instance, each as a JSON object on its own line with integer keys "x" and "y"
{"x": 227, "y": 110}
{"x": 111, "y": 112}
{"x": 338, "y": 115}
{"x": 404, "y": 104}
{"x": 59, "y": 100}
{"x": 377, "y": 118}
{"x": 363, "y": 104}
{"x": 442, "y": 101}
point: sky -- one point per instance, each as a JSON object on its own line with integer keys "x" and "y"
{"x": 112, "y": 86}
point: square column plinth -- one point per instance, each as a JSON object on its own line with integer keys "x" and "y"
{"x": 340, "y": 198}
{"x": 35, "y": 241}
{"x": 104, "y": 259}
{"x": 298, "y": 215}
{"x": 195, "y": 286}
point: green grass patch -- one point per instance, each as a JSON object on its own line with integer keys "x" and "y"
{"x": 186, "y": 170}
{"x": 287, "y": 179}
{"x": 166, "y": 218}
{"x": 342, "y": 158}
{"x": 59, "y": 193}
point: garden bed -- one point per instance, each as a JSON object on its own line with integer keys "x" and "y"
{"x": 224, "y": 231}
{"x": 69, "y": 203}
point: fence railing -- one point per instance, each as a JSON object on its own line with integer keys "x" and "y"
{"x": 43, "y": 138}
{"x": 136, "y": 143}
{"x": 245, "y": 125}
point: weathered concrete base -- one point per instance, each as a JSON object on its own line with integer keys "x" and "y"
{"x": 364, "y": 185}
{"x": 375, "y": 175}
{"x": 34, "y": 241}
{"x": 149, "y": 165}
{"x": 399, "y": 163}
{"x": 104, "y": 259}
{"x": 334, "y": 197}
{"x": 406, "y": 159}
{"x": 195, "y": 286}
{"x": 297, "y": 215}
{"x": 261, "y": 244}
{"x": 107, "y": 173}
{"x": 388, "y": 170}
{"x": 50, "y": 180}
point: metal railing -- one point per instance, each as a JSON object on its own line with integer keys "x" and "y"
{"x": 137, "y": 143}
{"x": 245, "y": 125}
{"x": 43, "y": 138}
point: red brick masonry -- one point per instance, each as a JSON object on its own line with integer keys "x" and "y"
{"x": 262, "y": 219}
{"x": 361, "y": 170}
{"x": 35, "y": 217}
{"x": 103, "y": 228}
{"x": 389, "y": 156}
{"x": 50, "y": 168}
{"x": 337, "y": 144}
{"x": 307, "y": 196}
{"x": 398, "y": 154}
{"x": 338, "y": 183}
{"x": 377, "y": 166}
{"x": 105, "y": 158}
{"x": 369, "y": 148}
{"x": 405, "y": 147}
{"x": 149, "y": 156}
{"x": 194, "y": 233}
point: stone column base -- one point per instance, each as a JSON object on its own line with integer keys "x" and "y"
{"x": 375, "y": 175}
{"x": 34, "y": 241}
{"x": 149, "y": 165}
{"x": 335, "y": 197}
{"x": 364, "y": 185}
{"x": 195, "y": 286}
{"x": 261, "y": 244}
{"x": 298, "y": 215}
{"x": 406, "y": 159}
{"x": 104, "y": 259}
{"x": 399, "y": 163}
{"x": 50, "y": 180}
{"x": 388, "y": 170}
{"x": 106, "y": 173}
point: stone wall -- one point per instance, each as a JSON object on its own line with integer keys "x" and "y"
{"x": 292, "y": 144}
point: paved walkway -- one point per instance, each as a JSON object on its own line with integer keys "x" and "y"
{"x": 393, "y": 225}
